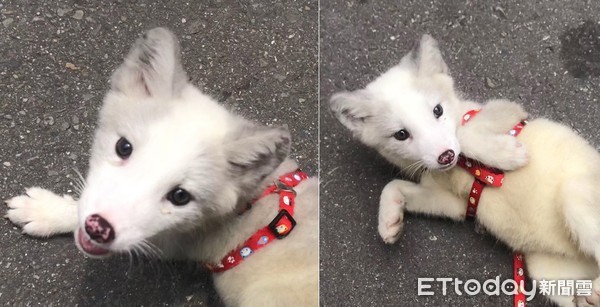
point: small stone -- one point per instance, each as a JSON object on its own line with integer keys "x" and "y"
{"x": 65, "y": 126}
{"x": 78, "y": 15}
{"x": 87, "y": 97}
{"x": 194, "y": 27}
{"x": 301, "y": 100}
{"x": 7, "y": 164}
{"x": 7, "y": 22}
{"x": 500, "y": 12}
{"x": 279, "y": 77}
{"x": 12, "y": 125}
{"x": 22, "y": 112}
{"x": 263, "y": 63}
{"x": 63, "y": 12}
{"x": 8, "y": 116}
{"x": 49, "y": 120}
{"x": 71, "y": 66}
{"x": 433, "y": 238}
{"x": 490, "y": 83}
{"x": 73, "y": 156}
{"x": 75, "y": 119}
{"x": 52, "y": 173}
{"x": 76, "y": 127}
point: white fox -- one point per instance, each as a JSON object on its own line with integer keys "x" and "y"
{"x": 170, "y": 173}
{"x": 549, "y": 205}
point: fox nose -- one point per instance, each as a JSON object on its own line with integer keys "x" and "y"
{"x": 99, "y": 229}
{"x": 446, "y": 158}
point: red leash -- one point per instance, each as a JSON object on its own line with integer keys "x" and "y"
{"x": 484, "y": 176}
{"x": 278, "y": 228}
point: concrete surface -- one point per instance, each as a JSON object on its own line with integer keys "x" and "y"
{"x": 543, "y": 54}
{"x": 258, "y": 57}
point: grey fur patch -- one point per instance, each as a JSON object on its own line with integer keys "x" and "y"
{"x": 152, "y": 67}
{"x": 352, "y": 109}
{"x": 255, "y": 152}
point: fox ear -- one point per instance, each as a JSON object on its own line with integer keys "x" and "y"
{"x": 152, "y": 68}
{"x": 352, "y": 109}
{"x": 428, "y": 57}
{"x": 255, "y": 152}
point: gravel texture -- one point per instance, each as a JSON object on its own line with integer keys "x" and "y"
{"x": 258, "y": 57}
{"x": 543, "y": 54}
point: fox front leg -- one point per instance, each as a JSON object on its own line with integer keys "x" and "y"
{"x": 42, "y": 213}
{"x": 424, "y": 198}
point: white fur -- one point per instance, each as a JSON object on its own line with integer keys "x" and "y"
{"x": 42, "y": 213}
{"x": 183, "y": 138}
{"x": 549, "y": 205}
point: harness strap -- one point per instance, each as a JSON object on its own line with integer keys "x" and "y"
{"x": 485, "y": 175}
{"x": 278, "y": 228}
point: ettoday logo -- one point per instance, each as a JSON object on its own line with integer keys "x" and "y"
{"x": 473, "y": 287}
{"x": 425, "y": 287}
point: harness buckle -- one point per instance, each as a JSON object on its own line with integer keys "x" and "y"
{"x": 284, "y": 187}
{"x": 282, "y": 224}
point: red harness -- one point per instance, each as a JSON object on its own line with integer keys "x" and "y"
{"x": 485, "y": 175}
{"x": 279, "y": 228}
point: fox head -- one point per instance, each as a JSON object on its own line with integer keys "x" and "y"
{"x": 409, "y": 114}
{"x": 166, "y": 156}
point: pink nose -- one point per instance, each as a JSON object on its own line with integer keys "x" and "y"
{"x": 446, "y": 158}
{"x": 99, "y": 229}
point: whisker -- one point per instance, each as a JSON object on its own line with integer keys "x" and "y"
{"x": 79, "y": 181}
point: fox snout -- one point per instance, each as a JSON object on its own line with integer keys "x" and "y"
{"x": 99, "y": 229}
{"x": 447, "y": 157}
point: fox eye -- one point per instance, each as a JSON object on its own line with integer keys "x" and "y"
{"x": 438, "y": 111}
{"x": 401, "y": 135}
{"x": 179, "y": 197}
{"x": 123, "y": 148}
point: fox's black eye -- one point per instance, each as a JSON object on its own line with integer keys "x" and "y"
{"x": 123, "y": 148}
{"x": 179, "y": 197}
{"x": 438, "y": 111}
{"x": 401, "y": 135}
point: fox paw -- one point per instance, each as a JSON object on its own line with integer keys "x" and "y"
{"x": 42, "y": 213}
{"x": 583, "y": 301}
{"x": 590, "y": 300}
{"x": 513, "y": 154}
{"x": 391, "y": 216}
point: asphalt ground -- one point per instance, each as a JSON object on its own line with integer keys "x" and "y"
{"x": 543, "y": 54}
{"x": 258, "y": 57}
